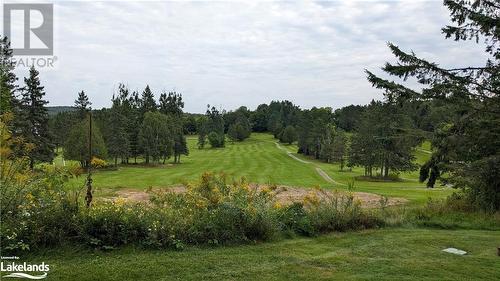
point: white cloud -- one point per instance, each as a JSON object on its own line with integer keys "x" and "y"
{"x": 241, "y": 53}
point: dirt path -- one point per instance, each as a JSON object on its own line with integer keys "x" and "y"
{"x": 291, "y": 155}
{"x": 424, "y": 151}
{"x": 322, "y": 173}
{"x": 325, "y": 176}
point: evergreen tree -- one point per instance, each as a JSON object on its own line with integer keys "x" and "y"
{"x": 468, "y": 148}
{"x": 189, "y": 124}
{"x": 281, "y": 114}
{"x": 180, "y": 147}
{"x": 148, "y": 103}
{"x": 7, "y": 77}
{"x": 171, "y": 104}
{"x": 34, "y": 120}
{"x": 340, "y": 148}
{"x": 117, "y": 142}
{"x": 202, "y": 129}
{"x": 214, "y": 124}
{"x": 327, "y": 140}
{"x": 311, "y": 129}
{"x": 133, "y": 113}
{"x": 82, "y": 104}
{"x": 383, "y": 140}
{"x": 347, "y": 117}
{"x": 238, "y": 123}
{"x": 259, "y": 118}
{"x": 214, "y": 139}
{"x": 60, "y": 125}
{"x": 238, "y": 132}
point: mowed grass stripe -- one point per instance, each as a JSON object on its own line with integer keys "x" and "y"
{"x": 257, "y": 159}
{"x": 260, "y": 161}
{"x": 388, "y": 254}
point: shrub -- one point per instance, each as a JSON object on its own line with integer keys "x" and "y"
{"x": 238, "y": 131}
{"x": 339, "y": 212}
{"x": 295, "y": 220}
{"x": 98, "y": 163}
{"x": 455, "y": 212}
{"x": 215, "y": 139}
{"x": 211, "y": 212}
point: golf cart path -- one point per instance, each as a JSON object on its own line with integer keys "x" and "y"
{"x": 424, "y": 151}
{"x": 290, "y": 154}
{"x": 322, "y": 173}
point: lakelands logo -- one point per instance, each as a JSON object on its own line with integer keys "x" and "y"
{"x": 18, "y": 270}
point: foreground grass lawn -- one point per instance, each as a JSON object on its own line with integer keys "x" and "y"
{"x": 387, "y": 254}
{"x": 260, "y": 161}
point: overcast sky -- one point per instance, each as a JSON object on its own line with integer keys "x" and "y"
{"x": 233, "y": 53}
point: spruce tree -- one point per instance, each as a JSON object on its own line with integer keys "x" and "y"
{"x": 135, "y": 118}
{"x": 339, "y": 147}
{"x": 34, "y": 120}
{"x": 148, "y": 103}
{"x": 214, "y": 126}
{"x": 7, "y": 77}
{"x": 118, "y": 143}
{"x": 172, "y": 106}
{"x": 466, "y": 152}
{"x": 82, "y": 104}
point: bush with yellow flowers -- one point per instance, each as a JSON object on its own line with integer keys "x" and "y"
{"x": 98, "y": 163}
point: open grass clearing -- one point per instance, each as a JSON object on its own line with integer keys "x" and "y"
{"x": 387, "y": 254}
{"x": 260, "y": 160}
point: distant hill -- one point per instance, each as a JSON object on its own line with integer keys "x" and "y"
{"x": 53, "y": 110}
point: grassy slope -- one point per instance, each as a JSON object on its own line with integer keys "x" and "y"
{"x": 388, "y": 254}
{"x": 260, "y": 161}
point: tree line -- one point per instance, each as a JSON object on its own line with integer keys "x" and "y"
{"x": 136, "y": 126}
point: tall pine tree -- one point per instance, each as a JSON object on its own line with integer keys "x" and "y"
{"x": 467, "y": 150}
{"x": 7, "y": 77}
{"x": 82, "y": 104}
{"x": 172, "y": 105}
{"x": 148, "y": 103}
{"x": 34, "y": 120}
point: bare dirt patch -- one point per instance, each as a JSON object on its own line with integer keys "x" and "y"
{"x": 284, "y": 195}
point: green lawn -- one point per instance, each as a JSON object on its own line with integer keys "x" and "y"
{"x": 260, "y": 161}
{"x": 387, "y": 254}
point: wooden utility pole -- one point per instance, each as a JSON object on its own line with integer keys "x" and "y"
{"x": 88, "y": 196}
